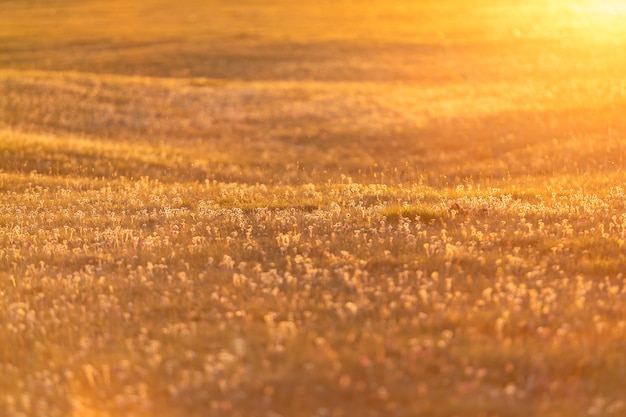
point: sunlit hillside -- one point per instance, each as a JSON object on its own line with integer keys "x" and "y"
{"x": 320, "y": 209}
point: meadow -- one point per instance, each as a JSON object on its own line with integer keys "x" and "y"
{"x": 316, "y": 209}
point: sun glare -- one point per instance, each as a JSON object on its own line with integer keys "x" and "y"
{"x": 599, "y": 20}
{"x": 607, "y": 8}
{"x": 601, "y": 10}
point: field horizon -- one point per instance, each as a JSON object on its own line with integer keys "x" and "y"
{"x": 382, "y": 208}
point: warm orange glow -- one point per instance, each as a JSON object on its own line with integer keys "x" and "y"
{"x": 599, "y": 22}
{"x": 606, "y": 8}
{"x": 604, "y": 15}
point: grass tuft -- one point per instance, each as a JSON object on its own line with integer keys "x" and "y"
{"x": 422, "y": 213}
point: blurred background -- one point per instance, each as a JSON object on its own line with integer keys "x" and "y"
{"x": 440, "y": 91}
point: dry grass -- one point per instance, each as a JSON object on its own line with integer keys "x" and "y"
{"x": 405, "y": 208}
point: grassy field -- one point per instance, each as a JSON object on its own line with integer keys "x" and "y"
{"x": 317, "y": 209}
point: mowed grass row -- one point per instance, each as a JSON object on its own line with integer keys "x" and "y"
{"x": 194, "y": 129}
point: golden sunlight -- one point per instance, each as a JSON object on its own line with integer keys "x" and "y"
{"x": 600, "y": 16}
{"x": 605, "y": 8}
{"x": 602, "y": 21}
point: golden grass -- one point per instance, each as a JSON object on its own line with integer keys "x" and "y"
{"x": 383, "y": 208}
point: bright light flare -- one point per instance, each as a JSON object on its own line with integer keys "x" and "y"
{"x": 602, "y": 20}
{"x": 605, "y": 8}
